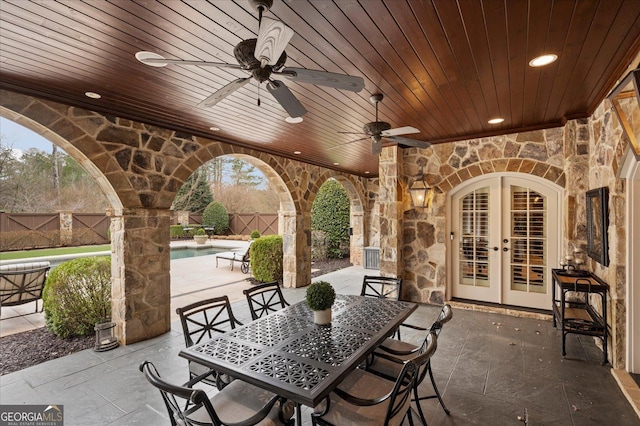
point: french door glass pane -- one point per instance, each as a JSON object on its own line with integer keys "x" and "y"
{"x": 528, "y": 240}
{"x": 474, "y": 241}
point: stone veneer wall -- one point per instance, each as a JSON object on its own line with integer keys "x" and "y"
{"x": 445, "y": 166}
{"x": 606, "y": 150}
{"x": 582, "y": 155}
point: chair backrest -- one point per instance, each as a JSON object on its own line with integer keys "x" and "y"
{"x": 264, "y": 299}
{"x": 204, "y": 319}
{"x": 446, "y": 313}
{"x": 408, "y": 378}
{"x": 22, "y": 283}
{"x": 177, "y": 398}
{"x": 381, "y": 287}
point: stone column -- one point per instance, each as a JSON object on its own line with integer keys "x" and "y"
{"x": 295, "y": 229}
{"x": 356, "y": 241}
{"x": 66, "y": 228}
{"x": 140, "y": 269}
{"x": 391, "y": 211}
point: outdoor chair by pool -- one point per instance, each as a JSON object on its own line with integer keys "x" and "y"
{"x": 238, "y": 404}
{"x": 386, "y": 366}
{"x": 200, "y": 322}
{"x": 364, "y": 398}
{"x": 264, "y": 299}
{"x": 235, "y": 256}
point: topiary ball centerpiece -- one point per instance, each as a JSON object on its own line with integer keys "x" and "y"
{"x": 320, "y": 297}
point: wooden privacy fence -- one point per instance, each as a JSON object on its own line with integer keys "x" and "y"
{"x": 239, "y": 223}
{"x": 23, "y": 231}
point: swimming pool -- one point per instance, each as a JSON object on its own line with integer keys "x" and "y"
{"x": 176, "y": 253}
{"x": 185, "y": 252}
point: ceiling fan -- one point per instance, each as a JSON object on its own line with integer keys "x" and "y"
{"x": 378, "y": 130}
{"x": 262, "y": 58}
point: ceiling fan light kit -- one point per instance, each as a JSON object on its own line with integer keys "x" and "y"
{"x": 263, "y": 57}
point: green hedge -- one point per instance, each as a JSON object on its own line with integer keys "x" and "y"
{"x": 266, "y": 258}
{"x": 77, "y": 295}
{"x": 176, "y": 231}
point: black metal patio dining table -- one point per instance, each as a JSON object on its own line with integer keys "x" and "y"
{"x": 288, "y": 354}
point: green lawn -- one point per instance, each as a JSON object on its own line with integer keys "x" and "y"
{"x": 25, "y": 254}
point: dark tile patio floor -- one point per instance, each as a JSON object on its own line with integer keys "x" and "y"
{"x": 491, "y": 368}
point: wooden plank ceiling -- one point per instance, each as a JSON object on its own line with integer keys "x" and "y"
{"x": 445, "y": 67}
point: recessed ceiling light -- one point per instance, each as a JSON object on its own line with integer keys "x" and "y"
{"x": 336, "y": 164}
{"x": 215, "y": 129}
{"x": 297, "y": 152}
{"x": 543, "y": 60}
{"x": 496, "y": 120}
{"x": 293, "y": 120}
{"x": 92, "y": 95}
{"x": 367, "y": 172}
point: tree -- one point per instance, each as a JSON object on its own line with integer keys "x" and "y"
{"x": 243, "y": 173}
{"x": 330, "y": 214}
{"x": 28, "y": 183}
{"x": 195, "y": 194}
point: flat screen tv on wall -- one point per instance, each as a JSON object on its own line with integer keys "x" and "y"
{"x": 598, "y": 224}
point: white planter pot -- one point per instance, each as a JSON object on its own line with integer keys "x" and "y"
{"x": 201, "y": 239}
{"x": 322, "y": 317}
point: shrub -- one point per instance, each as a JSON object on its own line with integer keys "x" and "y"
{"x": 200, "y": 231}
{"x": 320, "y": 296}
{"x": 216, "y": 215}
{"x": 330, "y": 213}
{"x": 176, "y": 231}
{"x": 77, "y": 295}
{"x": 254, "y": 234}
{"x": 266, "y": 258}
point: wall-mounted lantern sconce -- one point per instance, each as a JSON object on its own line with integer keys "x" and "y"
{"x": 421, "y": 193}
{"x": 625, "y": 99}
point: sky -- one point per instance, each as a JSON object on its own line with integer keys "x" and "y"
{"x": 21, "y": 138}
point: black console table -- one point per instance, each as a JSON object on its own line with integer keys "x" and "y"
{"x": 578, "y": 315}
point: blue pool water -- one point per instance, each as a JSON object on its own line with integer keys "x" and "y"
{"x": 183, "y": 253}
{"x": 176, "y": 253}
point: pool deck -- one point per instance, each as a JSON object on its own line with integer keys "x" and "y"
{"x": 186, "y": 287}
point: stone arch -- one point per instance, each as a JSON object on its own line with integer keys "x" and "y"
{"x": 540, "y": 169}
{"x": 70, "y": 149}
{"x": 144, "y": 166}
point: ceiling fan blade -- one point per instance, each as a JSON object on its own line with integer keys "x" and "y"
{"x": 272, "y": 40}
{"x": 283, "y": 95}
{"x": 324, "y": 78}
{"x": 406, "y": 130}
{"x": 155, "y": 60}
{"x": 409, "y": 142}
{"x": 347, "y": 143}
{"x": 224, "y": 92}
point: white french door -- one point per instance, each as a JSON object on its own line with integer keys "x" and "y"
{"x": 505, "y": 234}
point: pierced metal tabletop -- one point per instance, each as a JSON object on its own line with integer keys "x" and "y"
{"x": 288, "y": 354}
